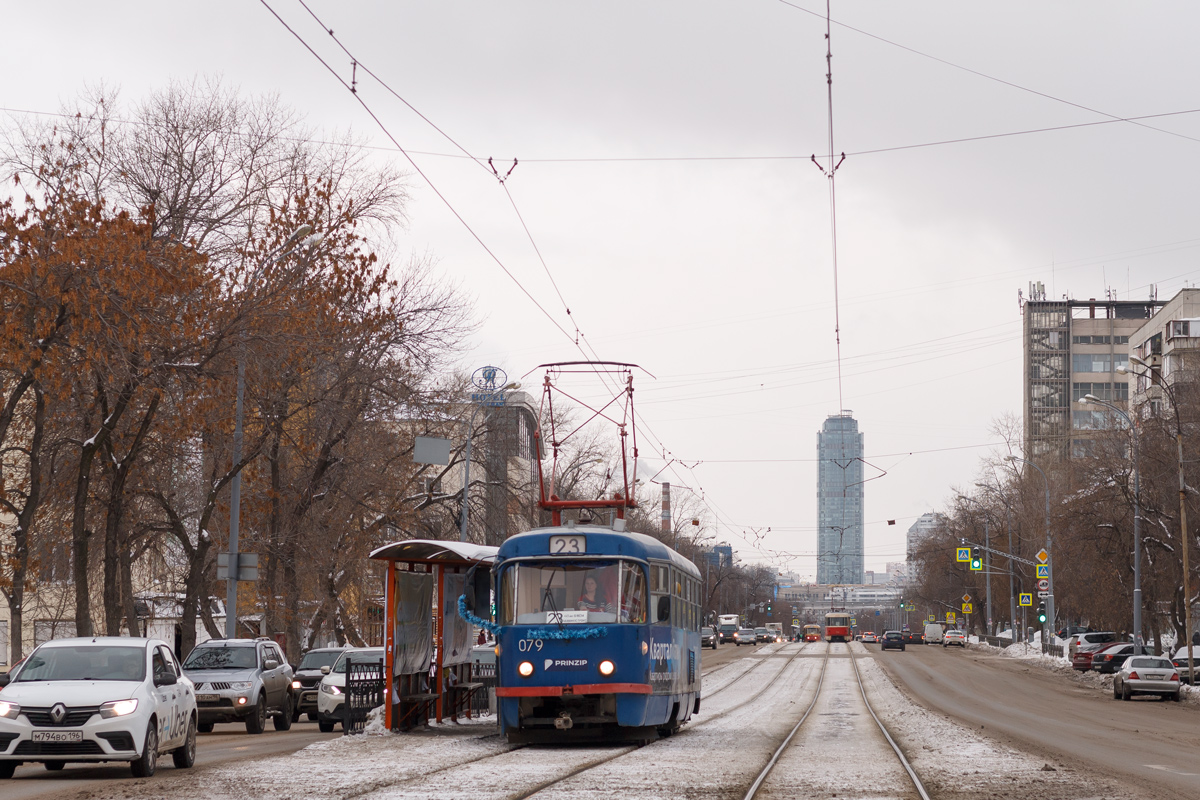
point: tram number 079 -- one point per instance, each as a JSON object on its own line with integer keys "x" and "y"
{"x": 567, "y": 545}
{"x": 527, "y": 645}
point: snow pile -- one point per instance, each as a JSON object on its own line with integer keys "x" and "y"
{"x": 375, "y": 723}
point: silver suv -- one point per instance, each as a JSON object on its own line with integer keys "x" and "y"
{"x": 241, "y": 680}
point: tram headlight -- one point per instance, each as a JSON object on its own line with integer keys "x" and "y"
{"x": 525, "y": 669}
{"x": 607, "y": 668}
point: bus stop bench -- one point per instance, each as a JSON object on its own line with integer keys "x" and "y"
{"x": 411, "y": 706}
{"x": 460, "y": 696}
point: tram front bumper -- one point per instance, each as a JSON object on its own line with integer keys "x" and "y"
{"x": 582, "y": 688}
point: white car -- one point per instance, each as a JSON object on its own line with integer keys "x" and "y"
{"x": 101, "y": 699}
{"x": 333, "y": 686}
{"x": 954, "y": 637}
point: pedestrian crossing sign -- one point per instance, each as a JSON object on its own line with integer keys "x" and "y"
{"x": 964, "y": 553}
{"x": 1043, "y": 570}
{"x": 1026, "y": 599}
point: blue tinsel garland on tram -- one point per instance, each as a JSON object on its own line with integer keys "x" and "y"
{"x": 571, "y": 632}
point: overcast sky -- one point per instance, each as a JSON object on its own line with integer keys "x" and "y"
{"x": 665, "y": 177}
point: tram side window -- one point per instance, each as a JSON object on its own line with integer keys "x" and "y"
{"x": 633, "y": 593}
{"x": 660, "y": 598}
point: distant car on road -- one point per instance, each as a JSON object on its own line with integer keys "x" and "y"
{"x": 709, "y": 637}
{"x": 745, "y": 636}
{"x": 892, "y": 640}
{"x": 870, "y": 638}
{"x": 912, "y": 637}
{"x": 98, "y": 699}
{"x": 954, "y": 637}
{"x": 763, "y": 635}
{"x": 933, "y": 633}
{"x": 1110, "y": 657}
{"x": 306, "y": 682}
{"x": 1146, "y": 675}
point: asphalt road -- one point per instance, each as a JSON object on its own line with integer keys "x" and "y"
{"x": 1146, "y": 742}
{"x": 227, "y": 743}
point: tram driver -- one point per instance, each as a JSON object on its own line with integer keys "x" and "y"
{"x": 593, "y": 597}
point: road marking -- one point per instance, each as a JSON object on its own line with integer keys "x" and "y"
{"x": 1172, "y": 770}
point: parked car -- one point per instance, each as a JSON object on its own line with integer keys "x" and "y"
{"x": 892, "y": 640}
{"x": 1081, "y": 659}
{"x": 1109, "y": 658}
{"x": 241, "y": 680}
{"x": 98, "y": 699}
{"x": 306, "y": 680}
{"x": 1079, "y": 640}
{"x": 870, "y": 638}
{"x": 709, "y": 637}
{"x": 954, "y": 637}
{"x": 332, "y": 696}
{"x": 1180, "y": 659}
{"x": 1146, "y": 675}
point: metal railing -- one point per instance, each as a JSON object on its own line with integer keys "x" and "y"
{"x": 364, "y": 691}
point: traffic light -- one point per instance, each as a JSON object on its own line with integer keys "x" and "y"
{"x": 901, "y": 604}
{"x": 768, "y": 609}
{"x": 976, "y": 559}
{"x": 1041, "y": 615}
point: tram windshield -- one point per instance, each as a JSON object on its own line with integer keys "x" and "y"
{"x": 565, "y": 592}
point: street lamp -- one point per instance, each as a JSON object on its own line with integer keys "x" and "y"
{"x": 1012, "y": 597}
{"x": 1183, "y": 529}
{"x": 235, "y": 485}
{"x": 466, "y": 506}
{"x": 1137, "y": 523}
{"x": 1049, "y": 556}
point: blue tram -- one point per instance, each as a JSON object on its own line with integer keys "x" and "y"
{"x": 599, "y": 635}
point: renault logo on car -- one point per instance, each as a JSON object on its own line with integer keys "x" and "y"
{"x": 58, "y": 713}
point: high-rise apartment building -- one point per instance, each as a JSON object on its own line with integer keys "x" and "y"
{"x": 840, "y": 501}
{"x": 1073, "y": 348}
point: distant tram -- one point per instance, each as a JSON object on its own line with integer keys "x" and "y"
{"x": 837, "y": 626}
{"x": 812, "y": 632}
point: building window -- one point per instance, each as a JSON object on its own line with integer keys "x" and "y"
{"x": 1083, "y": 448}
{"x": 1092, "y": 362}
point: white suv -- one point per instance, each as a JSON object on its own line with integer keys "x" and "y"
{"x": 101, "y": 699}
{"x": 332, "y": 696}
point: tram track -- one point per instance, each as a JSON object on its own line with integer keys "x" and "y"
{"x": 613, "y": 756}
{"x": 762, "y": 779}
{"x": 476, "y": 771}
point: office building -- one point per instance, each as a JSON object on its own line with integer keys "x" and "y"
{"x": 840, "y": 501}
{"x": 1073, "y": 348}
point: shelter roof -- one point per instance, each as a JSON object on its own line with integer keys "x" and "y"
{"x": 436, "y": 550}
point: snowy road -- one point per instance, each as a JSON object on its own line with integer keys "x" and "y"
{"x": 750, "y": 705}
{"x": 1072, "y": 720}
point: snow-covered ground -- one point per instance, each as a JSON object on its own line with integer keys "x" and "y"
{"x": 749, "y": 706}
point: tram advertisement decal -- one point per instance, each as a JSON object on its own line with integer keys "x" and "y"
{"x": 565, "y": 663}
{"x": 666, "y": 661}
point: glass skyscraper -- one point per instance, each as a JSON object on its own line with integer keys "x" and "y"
{"x": 840, "y": 501}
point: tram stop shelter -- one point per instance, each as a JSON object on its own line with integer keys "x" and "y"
{"x": 427, "y": 644}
